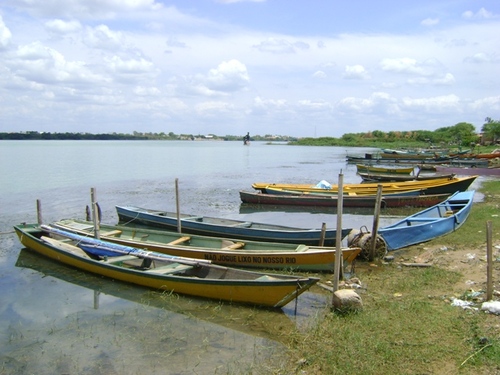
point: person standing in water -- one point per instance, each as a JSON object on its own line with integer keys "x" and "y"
{"x": 246, "y": 139}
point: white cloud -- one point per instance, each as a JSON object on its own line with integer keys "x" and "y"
{"x": 430, "y": 22}
{"x": 319, "y": 74}
{"x": 147, "y": 91}
{"x": 212, "y": 108}
{"x": 281, "y": 46}
{"x": 41, "y": 64}
{"x": 5, "y": 34}
{"x": 410, "y": 66}
{"x": 480, "y": 14}
{"x": 84, "y": 9}
{"x": 230, "y": 75}
{"x": 482, "y": 57}
{"x": 355, "y": 72}
{"x": 377, "y": 101}
{"x": 63, "y": 27}
{"x": 101, "y": 37}
{"x": 488, "y": 104}
{"x": 129, "y": 66}
{"x": 268, "y": 105}
{"x": 433, "y": 104}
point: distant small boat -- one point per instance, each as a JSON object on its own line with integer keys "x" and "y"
{"x": 466, "y": 171}
{"x": 229, "y": 228}
{"x": 319, "y": 200}
{"x": 433, "y": 222}
{"x": 364, "y": 168}
{"x": 386, "y": 177}
{"x": 490, "y": 155}
{"x": 234, "y": 253}
{"x": 154, "y": 270}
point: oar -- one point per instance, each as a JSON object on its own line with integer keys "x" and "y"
{"x": 98, "y": 247}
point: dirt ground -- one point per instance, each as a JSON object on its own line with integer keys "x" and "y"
{"x": 470, "y": 262}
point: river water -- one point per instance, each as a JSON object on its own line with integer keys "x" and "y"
{"x": 54, "y": 319}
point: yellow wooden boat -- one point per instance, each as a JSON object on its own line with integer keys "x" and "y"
{"x": 437, "y": 186}
{"x": 365, "y": 168}
{"x": 191, "y": 277}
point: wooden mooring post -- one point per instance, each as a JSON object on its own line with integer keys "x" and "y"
{"x": 95, "y": 213}
{"x": 323, "y": 234}
{"x": 489, "y": 260}
{"x": 39, "y": 211}
{"x": 338, "y": 239}
{"x": 376, "y": 216}
{"x": 177, "y": 206}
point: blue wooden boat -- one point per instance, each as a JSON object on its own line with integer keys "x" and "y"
{"x": 228, "y": 228}
{"x": 433, "y": 222}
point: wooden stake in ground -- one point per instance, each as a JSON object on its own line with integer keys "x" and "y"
{"x": 323, "y": 235}
{"x": 376, "y": 216}
{"x": 489, "y": 259}
{"x": 95, "y": 214}
{"x": 179, "y": 227}
{"x": 338, "y": 244}
{"x": 39, "y": 211}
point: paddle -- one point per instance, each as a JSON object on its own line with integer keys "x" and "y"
{"x": 102, "y": 248}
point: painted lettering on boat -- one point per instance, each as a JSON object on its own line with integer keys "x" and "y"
{"x": 241, "y": 259}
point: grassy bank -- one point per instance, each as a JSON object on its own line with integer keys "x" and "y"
{"x": 408, "y": 325}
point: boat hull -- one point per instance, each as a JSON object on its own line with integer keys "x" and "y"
{"x": 469, "y": 171}
{"x": 430, "y": 223}
{"x": 317, "y": 200}
{"x": 246, "y": 287}
{"x": 218, "y": 250}
{"x": 215, "y": 227}
{"x": 386, "y": 177}
{"x": 438, "y": 186}
{"x": 363, "y": 168}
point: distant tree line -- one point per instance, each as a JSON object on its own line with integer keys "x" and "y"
{"x": 35, "y": 135}
{"x": 461, "y": 135}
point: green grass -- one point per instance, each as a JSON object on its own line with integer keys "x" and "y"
{"x": 407, "y": 325}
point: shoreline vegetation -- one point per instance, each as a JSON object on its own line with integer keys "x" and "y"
{"x": 460, "y": 135}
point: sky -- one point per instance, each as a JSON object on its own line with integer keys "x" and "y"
{"x": 313, "y": 68}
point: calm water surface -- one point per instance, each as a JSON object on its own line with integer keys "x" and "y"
{"x": 58, "y": 320}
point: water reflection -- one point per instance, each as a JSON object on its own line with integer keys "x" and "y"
{"x": 224, "y": 314}
{"x": 90, "y": 321}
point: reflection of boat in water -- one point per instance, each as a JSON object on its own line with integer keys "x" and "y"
{"x": 229, "y": 316}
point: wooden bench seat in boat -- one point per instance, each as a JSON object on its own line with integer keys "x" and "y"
{"x": 170, "y": 269}
{"x": 111, "y": 233}
{"x": 179, "y": 240}
{"x": 246, "y": 224}
{"x": 230, "y": 245}
{"x": 193, "y": 218}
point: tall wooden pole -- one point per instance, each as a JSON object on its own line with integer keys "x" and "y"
{"x": 95, "y": 216}
{"x": 323, "y": 234}
{"x": 376, "y": 216}
{"x": 489, "y": 259}
{"x": 39, "y": 211}
{"x": 338, "y": 244}
{"x": 177, "y": 205}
